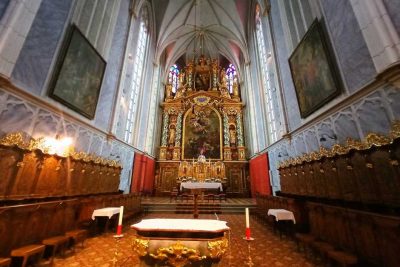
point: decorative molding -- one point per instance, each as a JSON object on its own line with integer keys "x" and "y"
{"x": 371, "y": 140}
{"x": 39, "y": 144}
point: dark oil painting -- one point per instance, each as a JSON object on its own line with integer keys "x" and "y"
{"x": 78, "y": 75}
{"x": 202, "y": 134}
{"x": 313, "y": 71}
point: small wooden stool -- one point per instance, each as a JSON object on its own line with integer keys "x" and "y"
{"x": 28, "y": 252}
{"x": 53, "y": 243}
{"x": 77, "y": 236}
{"x": 5, "y": 262}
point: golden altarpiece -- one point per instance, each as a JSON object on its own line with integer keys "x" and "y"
{"x": 202, "y": 135}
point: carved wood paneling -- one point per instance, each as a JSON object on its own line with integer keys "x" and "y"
{"x": 370, "y": 176}
{"x": 31, "y": 223}
{"x": 33, "y": 174}
{"x": 8, "y": 166}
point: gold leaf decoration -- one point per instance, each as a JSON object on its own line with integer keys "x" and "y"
{"x": 378, "y": 140}
{"x": 177, "y": 255}
{"x": 140, "y": 246}
{"x": 13, "y": 139}
{"x": 217, "y": 248}
{"x": 372, "y": 139}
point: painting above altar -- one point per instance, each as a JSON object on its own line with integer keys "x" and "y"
{"x": 202, "y": 133}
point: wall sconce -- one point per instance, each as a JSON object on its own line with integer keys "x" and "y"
{"x": 59, "y": 146}
{"x": 325, "y": 135}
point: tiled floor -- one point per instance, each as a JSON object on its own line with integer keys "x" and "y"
{"x": 266, "y": 250}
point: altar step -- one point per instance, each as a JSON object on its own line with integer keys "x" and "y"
{"x": 204, "y": 207}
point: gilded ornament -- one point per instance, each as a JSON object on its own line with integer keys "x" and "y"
{"x": 395, "y": 132}
{"x": 201, "y": 100}
{"x": 355, "y": 144}
{"x": 13, "y": 139}
{"x": 177, "y": 255}
{"x": 38, "y": 144}
{"x": 217, "y": 248}
{"x": 140, "y": 246}
{"x": 340, "y": 150}
{"x": 374, "y": 139}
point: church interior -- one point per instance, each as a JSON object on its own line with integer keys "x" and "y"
{"x": 199, "y": 133}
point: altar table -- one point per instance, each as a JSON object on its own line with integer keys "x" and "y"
{"x": 104, "y": 213}
{"x": 284, "y": 220}
{"x": 282, "y": 215}
{"x": 211, "y": 185}
{"x": 178, "y": 242}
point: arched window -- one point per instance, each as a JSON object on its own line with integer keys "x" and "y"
{"x": 264, "y": 57}
{"x": 138, "y": 66}
{"x": 230, "y": 76}
{"x": 173, "y": 77}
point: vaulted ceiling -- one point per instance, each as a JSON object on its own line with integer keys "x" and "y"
{"x": 209, "y": 27}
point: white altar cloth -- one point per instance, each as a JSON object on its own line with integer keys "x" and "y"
{"x": 282, "y": 215}
{"x": 108, "y": 212}
{"x": 181, "y": 225}
{"x": 211, "y": 185}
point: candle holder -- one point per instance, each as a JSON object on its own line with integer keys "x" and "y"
{"x": 249, "y": 261}
{"x": 248, "y": 235}
{"x": 116, "y": 251}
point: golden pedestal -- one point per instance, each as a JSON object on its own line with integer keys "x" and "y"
{"x": 177, "y": 153}
{"x": 227, "y": 153}
{"x": 242, "y": 153}
{"x": 163, "y": 153}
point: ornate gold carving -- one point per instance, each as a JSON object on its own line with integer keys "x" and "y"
{"x": 340, "y": 150}
{"x": 201, "y": 100}
{"x": 13, "y": 139}
{"x": 177, "y": 255}
{"x": 356, "y": 144}
{"x": 370, "y": 140}
{"x": 140, "y": 246}
{"x": 395, "y": 132}
{"x": 373, "y": 139}
{"x": 217, "y": 248}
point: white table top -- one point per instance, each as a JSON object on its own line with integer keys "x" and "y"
{"x": 282, "y": 215}
{"x": 109, "y": 212}
{"x": 184, "y": 225}
{"x": 211, "y": 185}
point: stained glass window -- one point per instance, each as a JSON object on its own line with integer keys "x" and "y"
{"x": 230, "y": 76}
{"x": 173, "y": 77}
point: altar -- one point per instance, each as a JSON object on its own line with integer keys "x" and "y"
{"x": 180, "y": 242}
{"x": 206, "y": 185}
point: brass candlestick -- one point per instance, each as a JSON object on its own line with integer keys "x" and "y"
{"x": 249, "y": 259}
{"x": 116, "y": 251}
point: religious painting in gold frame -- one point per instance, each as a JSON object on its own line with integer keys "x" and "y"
{"x": 202, "y": 133}
{"x": 313, "y": 71}
{"x": 78, "y": 74}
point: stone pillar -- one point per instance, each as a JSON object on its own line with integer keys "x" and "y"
{"x": 227, "y": 148}
{"x": 164, "y": 138}
{"x": 177, "y": 149}
{"x": 380, "y": 35}
{"x": 240, "y": 142}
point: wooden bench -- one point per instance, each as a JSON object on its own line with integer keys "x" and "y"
{"x": 30, "y": 252}
{"x": 77, "y": 236}
{"x": 5, "y": 262}
{"x": 53, "y": 244}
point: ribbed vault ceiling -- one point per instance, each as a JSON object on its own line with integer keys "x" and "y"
{"x": 209, "y": 27}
